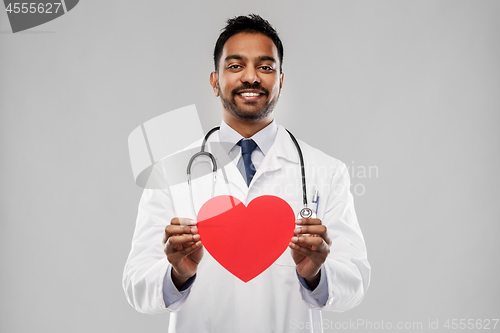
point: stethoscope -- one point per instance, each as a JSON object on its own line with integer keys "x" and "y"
{"x": 305, "y": 212}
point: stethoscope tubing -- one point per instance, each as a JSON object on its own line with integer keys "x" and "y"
{"x": 214, "y": 167}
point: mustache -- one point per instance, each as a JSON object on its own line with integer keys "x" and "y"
{"x": 245, "y": 86}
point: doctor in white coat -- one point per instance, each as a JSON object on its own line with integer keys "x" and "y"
{"x": 325, "y": 266}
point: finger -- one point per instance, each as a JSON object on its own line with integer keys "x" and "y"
{"x": 317, "y": 242}
{"x": 297, "y": 257}
{"x": 171, "y": 230}
{"x": 310, "y": 229}
{"x": 309, "y": 247}
{"x": 177, "y": 256}
{"x": 303, "y": 250}
{"x": 190, "y": 249}
{"x": 182, "y": 221}
{"x": 310, "y": 252}
{"x": 181, "y": 239}
{"x": 307, "y": 221}
{"x": 170, "y": 247}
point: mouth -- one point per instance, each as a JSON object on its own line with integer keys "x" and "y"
{"x": 250, "y": 95}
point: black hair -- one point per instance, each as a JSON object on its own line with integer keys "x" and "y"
{"x": 252, "y": 24}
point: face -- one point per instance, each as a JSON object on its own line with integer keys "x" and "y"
{"x": 249, "y": 79}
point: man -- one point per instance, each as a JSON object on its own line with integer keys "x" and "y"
{"x": 325, "y": 266}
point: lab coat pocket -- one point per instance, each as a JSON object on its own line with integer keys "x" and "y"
{"x": 285, "y": 259}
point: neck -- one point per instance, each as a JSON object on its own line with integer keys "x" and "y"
{"x": 247, "y": 128}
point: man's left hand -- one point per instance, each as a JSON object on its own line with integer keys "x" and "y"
{"x": 310, "y": 247}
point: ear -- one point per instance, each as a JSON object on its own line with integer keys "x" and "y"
{"x": 213, "y": 83}
{"x": 282, "y": 76}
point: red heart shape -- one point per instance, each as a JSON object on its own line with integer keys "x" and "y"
{"x": 246, "y": 240}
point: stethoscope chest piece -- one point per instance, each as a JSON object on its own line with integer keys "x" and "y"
{"x": 306, "y": 213}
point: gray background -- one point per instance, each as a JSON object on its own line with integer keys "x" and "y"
{"x": 411, "y": 87}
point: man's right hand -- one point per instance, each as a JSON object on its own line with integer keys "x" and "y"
{"x": 183, "y": 248}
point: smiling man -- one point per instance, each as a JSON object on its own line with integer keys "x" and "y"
{"x": 325, "y": 265}
{"x": 248, "y": 81}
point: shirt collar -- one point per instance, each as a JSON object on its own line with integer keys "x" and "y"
{"x": 264, "y": 138}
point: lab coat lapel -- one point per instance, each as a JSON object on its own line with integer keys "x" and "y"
{"x": 282, "y": 151}
{"x": 234, "y": 178}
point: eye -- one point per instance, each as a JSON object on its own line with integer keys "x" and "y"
{"x": 234, "y": 66}
{"x": 267, "y": 68}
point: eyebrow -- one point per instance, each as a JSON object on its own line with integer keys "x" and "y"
{"x": 239, "y": 57}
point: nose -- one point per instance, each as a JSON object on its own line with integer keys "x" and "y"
{"x": 250, "y": 75}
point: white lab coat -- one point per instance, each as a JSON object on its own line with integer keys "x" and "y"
{"x": 274, "y": 301}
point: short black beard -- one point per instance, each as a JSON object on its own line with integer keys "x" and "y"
{"x": 237, "y": 112}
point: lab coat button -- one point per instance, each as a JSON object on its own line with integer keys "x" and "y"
{"x": 176, "y": 295}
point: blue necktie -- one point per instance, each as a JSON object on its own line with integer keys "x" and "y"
{"x": 247, "y": 147}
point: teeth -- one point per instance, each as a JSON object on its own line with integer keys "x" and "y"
{"x": 249, "y": 94}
